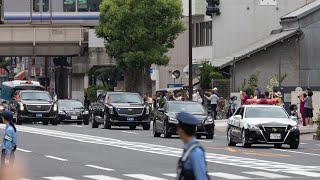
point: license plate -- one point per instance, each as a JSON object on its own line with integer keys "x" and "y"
{"x": 130, "y": 119}
{"x": 38, "y": 115}
{"x": 74, "y": 117}
{"x": 275, "y": 136}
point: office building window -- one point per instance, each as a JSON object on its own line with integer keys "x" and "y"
{"x": 202, "y": 35}
{"x": 45, "y": 5}
{"x": 69, "y": 5}
{"x": 36, "y": 5}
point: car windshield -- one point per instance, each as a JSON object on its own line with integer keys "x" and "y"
{"x": 193, "y": 108}
{"x": 265, "y": 112}
{"x": 125, "y": 98}
{"x": 38, "y": 96}
{"x": 70, "y": 105}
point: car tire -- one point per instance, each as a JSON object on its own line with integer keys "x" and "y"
{"x": 294, "y": 145}
{"x": 155, "y": 133}
{"x": 146, "y": 126}
{"x": 209, "y": 136}
{"x": 45, "y": 122}
{"x": 166, "y": 132}
{"x": 86, "y": 122}
{"x": 106, "y": 123}
{"x": 94, "y": 123}
{"x": 229, "y": 138}
{"x": 54, "y": 122}
{"x": 278, "y": 146}
{"x": 244, "y": 139}
{"x": 133, "y": 127}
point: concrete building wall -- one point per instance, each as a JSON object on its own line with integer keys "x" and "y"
{"x": 243, "y": 22}
{"x": 281, "y": 58}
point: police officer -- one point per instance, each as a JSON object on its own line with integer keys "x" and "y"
{"x": 9, "y": 139}
{"x": 192, "y": 164}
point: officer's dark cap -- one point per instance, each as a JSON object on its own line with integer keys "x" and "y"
{"x": 187, "y": 119}
{"x": 7, "y": 115}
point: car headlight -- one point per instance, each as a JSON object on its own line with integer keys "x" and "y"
{"x": 1, "y": 108}
{"x": 55, "y": 107}
{"x": 85, "y": 112}
{"x": 209, "y": 120}
{"x": 253, "y": 126}
{"x": 147, "y": 110}
{"x": 61, "y": 112}
{"x": 21, "y": 107}
{"x": 111, "y": 110}
{"x": 173, "y": 120}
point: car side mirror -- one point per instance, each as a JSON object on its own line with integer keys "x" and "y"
{"x": 161, "y": 110}
{"x": 237, "y": 117}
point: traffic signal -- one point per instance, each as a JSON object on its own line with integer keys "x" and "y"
{"x": 213, "y": 8}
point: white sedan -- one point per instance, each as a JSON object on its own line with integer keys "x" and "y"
{"x": 262, "y": 124}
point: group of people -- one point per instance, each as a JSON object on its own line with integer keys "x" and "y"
{"x": 306, "y": 107}
{"x": 257, "y": 94}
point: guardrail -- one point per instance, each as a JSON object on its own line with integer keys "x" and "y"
{"x": 42, "y": 35}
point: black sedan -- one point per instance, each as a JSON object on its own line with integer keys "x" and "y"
{"x": 72, "y": 111}
{"x": 165, "y": 121}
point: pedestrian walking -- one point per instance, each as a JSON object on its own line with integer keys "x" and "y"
{"x": 192, "y": 164}
{"x": 9, "y": 140}
{"x": 302, "y": 98}
{"x": 213, "y": 103}
{"x": 232, "y": 106}
{"x": 308, "y": 109}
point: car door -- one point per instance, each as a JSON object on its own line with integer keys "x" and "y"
{"x": 160, "y": 117}
{"x": 239, "y": 123}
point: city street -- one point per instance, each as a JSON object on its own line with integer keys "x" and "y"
{"x": 68, "y": 152}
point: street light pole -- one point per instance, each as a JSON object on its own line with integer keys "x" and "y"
{"x": 190, "y": 90}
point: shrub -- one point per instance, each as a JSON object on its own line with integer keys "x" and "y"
{"x": 92, "y": 91}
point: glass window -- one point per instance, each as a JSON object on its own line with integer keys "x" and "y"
{"x": 125, "y": 98}
{"x": 193, "y": 108}
{"x": 88, "y": 5}
{"x": 36, "y": 5}
{"x": 70, "y": 105}
{"x": 69, "y": 5}
{"x": 197, "y": 34}
{"x": 263, "y": 112}
{"x": 45, "y": 5}
{"x": 44, "y": 96}
{"x": 202, "y": 31}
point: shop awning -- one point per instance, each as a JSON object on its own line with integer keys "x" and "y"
{"x": 20, "y": 76}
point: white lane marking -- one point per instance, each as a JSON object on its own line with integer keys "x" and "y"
{"x": 128, "y": 132}
{"x": 305, "y": 173}
{"x": 77, "y": 126}
{"x": 266, "y": 174}
{"x": 56, "y": 158}
{"x": 312, "y": 154}
{"x": 59, "y": 178}
{"x": 171, "y": 175}
{"x": 205, "y": 141}
{"x": 99, "y": 167}
{"x": 24, "y": 150}
{"x": 143, "y": 177}
{"x": 303, "y": 143}
{"x": 101, "y": 177}
{"x": 227, "y": 176}
{"x": 242, "y": 162}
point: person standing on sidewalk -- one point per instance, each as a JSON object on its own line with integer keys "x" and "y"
{"x": 303, "y": 116}
{"x": 213, "y": 103}
{"x": 9, "y": 143}
{"x": 192, "y": 164}
{"x": 308, "y": 109}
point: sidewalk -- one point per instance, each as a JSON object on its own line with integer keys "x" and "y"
{"x": 221, "y": 126}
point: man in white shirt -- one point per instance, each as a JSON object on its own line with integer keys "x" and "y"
{"x": 213, "y": 103}
{"x": 195, "y": 96}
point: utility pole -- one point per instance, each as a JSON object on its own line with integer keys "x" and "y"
{"x": 190, "y": 90}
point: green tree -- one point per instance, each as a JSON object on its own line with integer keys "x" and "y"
{"x": 207, "y": 73}
{"x": 4, "y": 63}
{"x": 138, "y": 34}
{"x": 108, "y": 75}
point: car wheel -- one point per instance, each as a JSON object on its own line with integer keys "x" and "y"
{"x": 94, "y": 123}
{"x": 146, "y": 126}
{"x": 54, "y": 122}
{"x": 294, "y": 145}
{"x": 155, "y": 133}
{"x": 244, "y": 138}
{"x": 229, "y": 138}
{"x": 133, "y": 127}
{"x": 278, "y": 146}
{"x": 106, "y": 123}
{"x": 209, "y": 136}
{"x": 86, "y": 122}
{"x": 198, "y": 136}
{"x": 167, "y": 134}
{"x": 45, "y": 122}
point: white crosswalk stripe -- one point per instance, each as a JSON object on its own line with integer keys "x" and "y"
{"x": 305, "y": 173}
{"x": 59, "y": 178}
{"x": 266, "y": 174}
{"x": 227, "y": 176}
{"x": 101, "y": 177}
{"x": 143, "y": 177}
{"x": 170, "y": 175}
{"x": 98, "y": 167}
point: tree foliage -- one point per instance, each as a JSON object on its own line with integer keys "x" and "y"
{"x": 108, "y": 75}
{"x": 139, "y": 33}
{"x": 4, "y": 63}
{"x": 207, "y": 74}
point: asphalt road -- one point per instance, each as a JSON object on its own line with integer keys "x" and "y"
{"x": 69, "y": 152}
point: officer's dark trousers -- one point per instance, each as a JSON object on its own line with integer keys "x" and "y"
{"x": 214, "y": 111}
{"x": 3, "y": 157}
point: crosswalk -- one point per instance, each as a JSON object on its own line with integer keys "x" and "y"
{"x": 215, "y": 175}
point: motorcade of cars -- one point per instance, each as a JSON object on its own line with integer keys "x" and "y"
{"x": 262, "y": 122}
{"x": 165, "y": 121}
{"x": 36, "y": 106}
{"x": 120, "y": 109}
{"x": 72, "y": 111}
